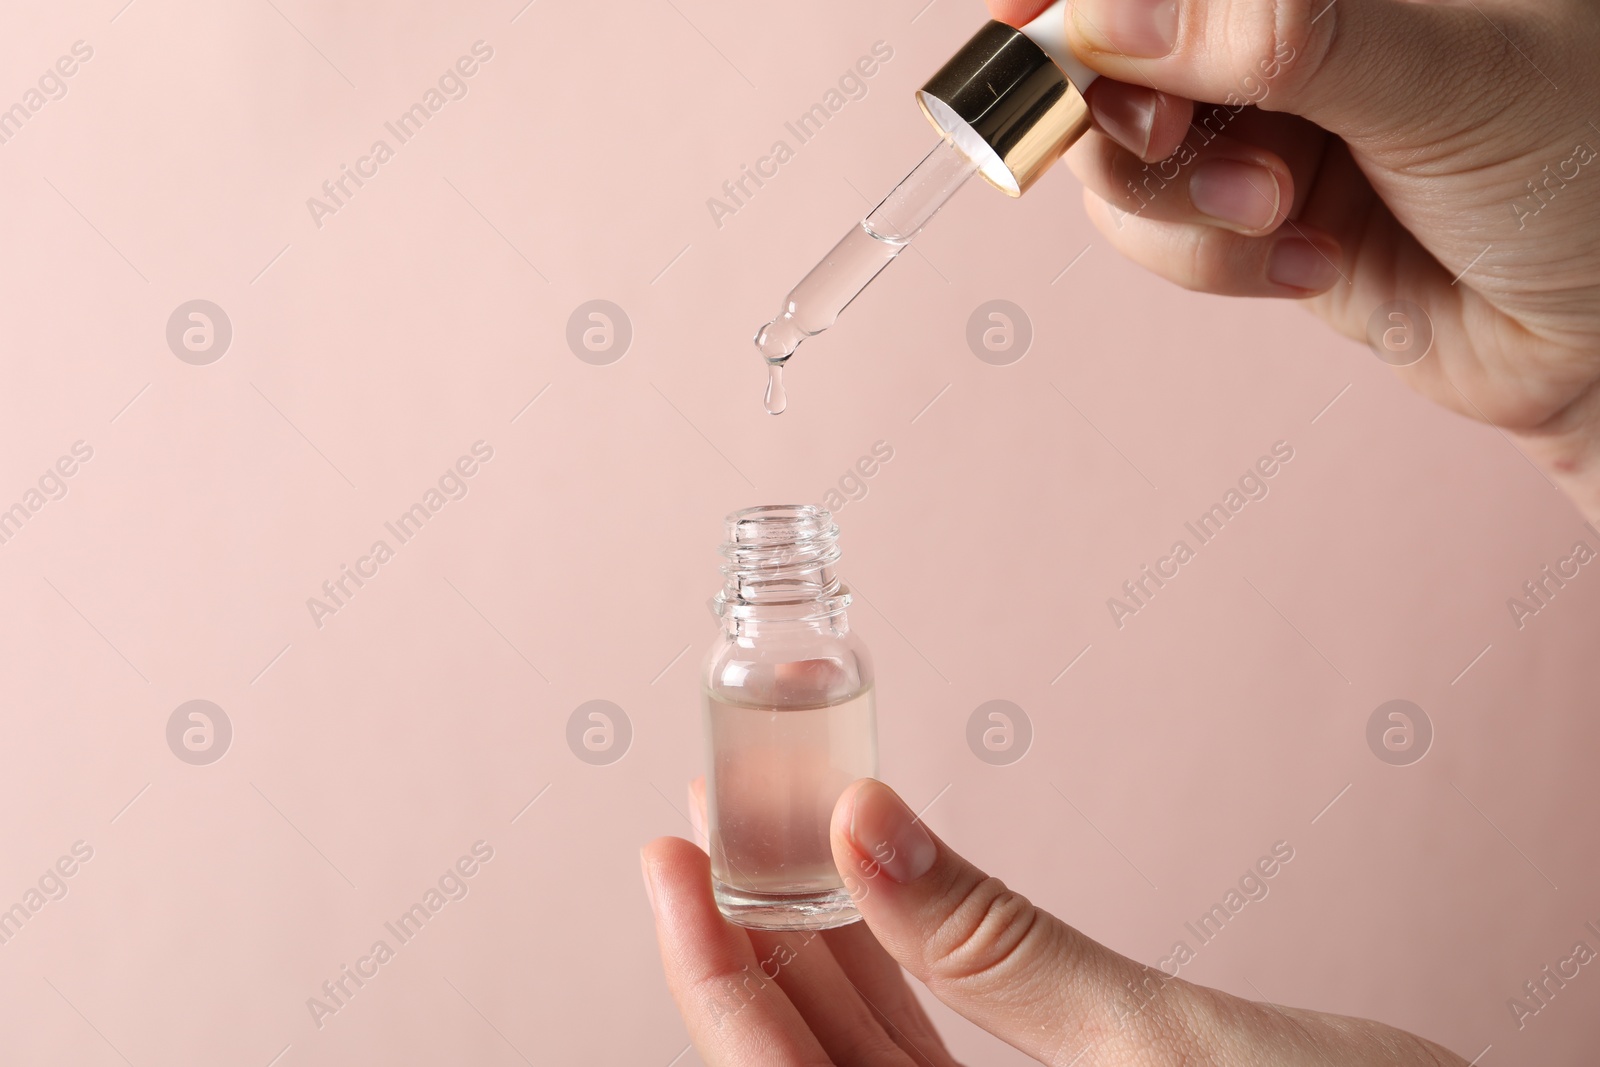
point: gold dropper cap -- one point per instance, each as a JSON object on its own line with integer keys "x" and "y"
{"x": 1005, "y": 103}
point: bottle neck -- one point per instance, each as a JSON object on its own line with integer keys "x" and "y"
{"x": 779, "y": 569}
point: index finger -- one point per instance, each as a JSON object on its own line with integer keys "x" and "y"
{"x": 736, "y": 1015}
{"x": 876, "y": 976}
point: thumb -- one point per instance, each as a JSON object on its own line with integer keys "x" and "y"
{"x": 1364, "y": 69}
{"x": 1015, "y": 970}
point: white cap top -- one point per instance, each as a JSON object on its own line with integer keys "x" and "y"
{"x": 1049, "y": 32}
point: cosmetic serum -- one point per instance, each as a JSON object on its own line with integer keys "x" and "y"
{"x": 789, "y": 721}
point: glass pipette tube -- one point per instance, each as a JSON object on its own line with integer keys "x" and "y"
{"x": 815, "y": 304}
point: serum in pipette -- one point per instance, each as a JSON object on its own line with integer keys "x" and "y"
{"x": 1006, "y": 106}
{"x": 869, "y": 246}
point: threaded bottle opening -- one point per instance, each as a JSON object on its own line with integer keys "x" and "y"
{"x": 778, "y": 561}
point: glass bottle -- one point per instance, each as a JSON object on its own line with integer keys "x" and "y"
{"x": 789, "y": 721}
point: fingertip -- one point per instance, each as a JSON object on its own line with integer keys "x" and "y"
{"x": 1147, "y": 122}
{"x": 662, "y": 864}
{"x": 678, "y": 882}
{"x": 697, "y": 812}
{"x": 1125, "y": 113}
{"x": 1305, "y": 263}
{"x": 668, "y": 851}
{"x": 1016, "y": 12}
{"x": 1103, "y": 214}
{"x": 1298, "y": 262}
{"x": 649, "y": 879}
{"x": 844, "y": 810}
{"x": 1173, "y": 114}
{"x": 882, "y": 834}
{"x": 670, "y": 864}
{"x": 1244, "y": 195}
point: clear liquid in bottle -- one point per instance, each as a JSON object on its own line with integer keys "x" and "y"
{"x": 770, "y": 794}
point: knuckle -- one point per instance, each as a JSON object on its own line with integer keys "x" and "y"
{"x": 865, "y": 1044}
{"x": 987, "y": 934}
{"x": 723, "y": 994}
{"x": 1277, "y": 47}
{"x": 1179, "y": 1026}
{"x": 1506, "y": 72}
{"x": 1209, "y": 264}
{"x": 1191, "y": 255}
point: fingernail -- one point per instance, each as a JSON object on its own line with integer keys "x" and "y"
{"x": 1143, "y": 29}
{"x": 1301, "y": 264}
{"x": 649, "y": 882}
{"x": 1128, "y": 114}
{"x": 1240, "y": 195}
{"x": 886, "y": 832}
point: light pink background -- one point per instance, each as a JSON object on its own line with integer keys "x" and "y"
{"x": 370, "y": 353}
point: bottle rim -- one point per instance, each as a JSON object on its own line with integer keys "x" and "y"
{"x": 779, "y": 562}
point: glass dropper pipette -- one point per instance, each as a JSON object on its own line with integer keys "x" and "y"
{"x": 1006, "y": 105}
{"x": 815, "y": 304}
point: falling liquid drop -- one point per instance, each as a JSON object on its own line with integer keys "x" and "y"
{"x": 776, "y": 398}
